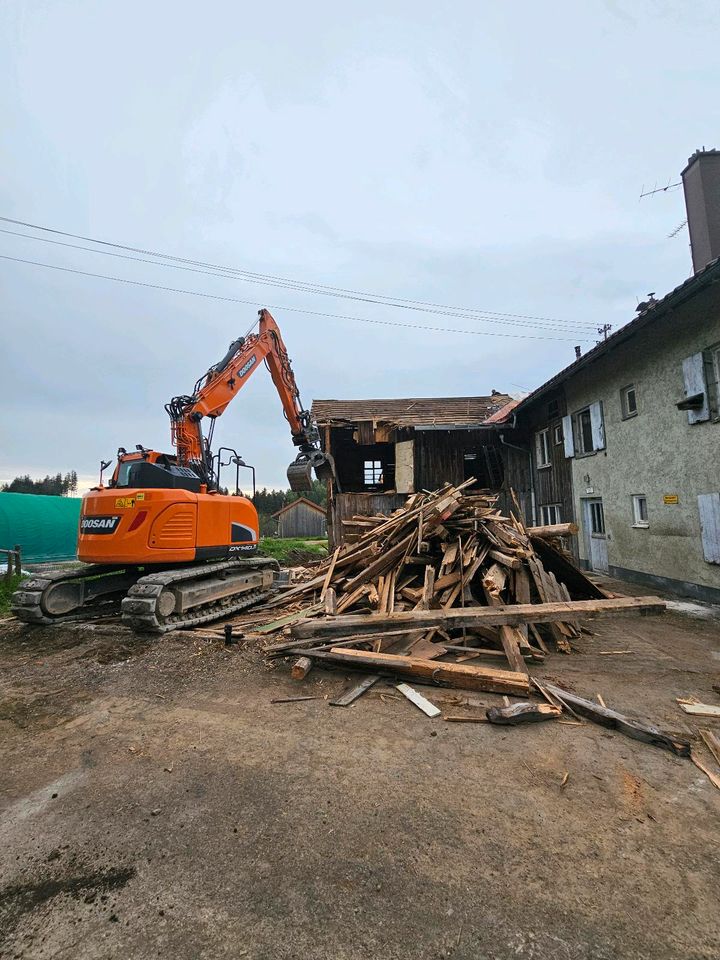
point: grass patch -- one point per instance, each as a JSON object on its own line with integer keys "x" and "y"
{"x": 7, "y": 588}
{"x": 291, "y": 550}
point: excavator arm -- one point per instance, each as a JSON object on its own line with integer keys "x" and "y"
{"x": 221, "y": 384}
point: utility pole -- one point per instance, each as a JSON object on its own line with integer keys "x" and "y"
{"x": 604, "y": 330}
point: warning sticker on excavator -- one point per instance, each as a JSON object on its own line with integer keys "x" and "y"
{"x": 124, "y": 502}
{"x": 139, "y": 496}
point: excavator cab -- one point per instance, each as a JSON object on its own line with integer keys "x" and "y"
{"x": 299, "y": 473}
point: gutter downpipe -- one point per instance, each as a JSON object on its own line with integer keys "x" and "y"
{"x": 528, "y": 453}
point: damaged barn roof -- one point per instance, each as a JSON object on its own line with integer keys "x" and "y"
{"x": 412, "y": 412}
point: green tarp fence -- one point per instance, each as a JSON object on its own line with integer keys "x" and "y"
{"x": 45, "y": 528}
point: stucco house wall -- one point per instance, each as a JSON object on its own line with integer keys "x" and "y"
{"x": 657, "y": 453}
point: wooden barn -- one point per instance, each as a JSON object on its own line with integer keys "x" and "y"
{"x": 385, "y": 450}
{"x": 301, "y": 518}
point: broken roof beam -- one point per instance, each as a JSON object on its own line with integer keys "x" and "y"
{"x": 504, "y": 614}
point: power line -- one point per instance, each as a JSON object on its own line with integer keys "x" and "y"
{"x": 316, "y": 313}
{"x": 210, "y": 273}
{"x": 304, "y": 286}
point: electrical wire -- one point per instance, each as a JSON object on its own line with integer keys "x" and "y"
{"x": 307, "y": 287}
{"x": 209, "y": 273}
{"x": 315, "y": 313}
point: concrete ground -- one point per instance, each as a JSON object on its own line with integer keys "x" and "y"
{"x": 156, "y": 804}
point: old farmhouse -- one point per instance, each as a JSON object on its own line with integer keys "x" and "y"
{"x": 626, "y": 440}
{"x": 385, "y": 450}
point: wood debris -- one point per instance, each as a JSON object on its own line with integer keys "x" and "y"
{"x": 612, "y": 718}
{"x": 433, "y": 592}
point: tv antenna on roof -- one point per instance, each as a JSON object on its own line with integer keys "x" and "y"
{"x": 677, "y": 230}
{"x": 656, "y": 189}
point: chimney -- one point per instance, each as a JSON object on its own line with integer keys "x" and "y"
{"x": 578, "y": 352}
{"x": 701, "y": 183}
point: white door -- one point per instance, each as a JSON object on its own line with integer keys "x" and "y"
{"x": 595, "y": 536}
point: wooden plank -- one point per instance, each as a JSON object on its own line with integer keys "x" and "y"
{"x": 701, "y": 709}
{"x": 451, "y": 674}
{"x": 330, "y": 602}
{"x": 712, "y": 777}
{"x": 329, "y": 574}
{"x": 611, "y": 718}
{"x": 554, "y": 530}
{"x": 513, "y": 563}
{"x": 377, "y": 566}
{"x": 712, "y": 743}
{"x": 428, "y": 588}
{"x": 351, "y": 695}
{"x": 510, "y": 614}
{"x": 527, "y": 712}
{"x": 429, "y": 709}
{"x": 284, "y": 621}
{"x": 509, "y": 637}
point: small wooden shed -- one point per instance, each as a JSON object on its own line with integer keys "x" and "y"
{"x": 301, "y": 518}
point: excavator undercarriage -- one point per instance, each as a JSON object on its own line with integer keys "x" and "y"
{"x": 149, "y": 602}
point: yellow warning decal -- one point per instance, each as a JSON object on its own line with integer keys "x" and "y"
{"x": 139, "y": 496}
{"x": 121, "y": 502}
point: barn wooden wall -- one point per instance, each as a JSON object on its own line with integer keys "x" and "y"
{"x": 439, "y": 457}
{"x": 301, "y": 521}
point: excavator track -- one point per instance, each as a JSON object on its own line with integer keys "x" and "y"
{"x": 149, "y": 606}
{"x": 91, "y": 591}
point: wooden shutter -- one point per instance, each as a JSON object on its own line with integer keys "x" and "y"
{"x": 597, "y": 426}
{"x": 568, "y": 441}
{"x": 709, "y": 507}
{"x": 695, "y": 382}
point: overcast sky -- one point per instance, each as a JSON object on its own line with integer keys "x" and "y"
{"x": 482, "y": 155}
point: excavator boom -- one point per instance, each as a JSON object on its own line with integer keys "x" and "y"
{"x": 221, "y": 384}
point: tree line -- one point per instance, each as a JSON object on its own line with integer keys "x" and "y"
{"x": 50, "y": 486}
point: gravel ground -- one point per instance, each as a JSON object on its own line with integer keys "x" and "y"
{"x": 155, "y": 803}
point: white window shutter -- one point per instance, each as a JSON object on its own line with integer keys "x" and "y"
{"x": 568, "y": 436}
{"x": 597, "y": 425}
{"x": 709, "y": 507}
{"x": 694, "y": 377}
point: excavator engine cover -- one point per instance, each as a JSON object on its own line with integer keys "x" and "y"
{"x": 299, "y": 472}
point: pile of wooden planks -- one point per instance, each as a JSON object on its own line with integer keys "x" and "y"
{"x": 448, "y": 578}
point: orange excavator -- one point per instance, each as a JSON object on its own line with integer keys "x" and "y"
{"x": 162, "y": 542}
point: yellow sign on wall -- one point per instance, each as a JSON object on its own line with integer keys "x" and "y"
{"x": 671, "y": 498}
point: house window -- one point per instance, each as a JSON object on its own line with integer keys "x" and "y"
{"x": 597, "y": 518}
{"x": 542, "y": 448}
{"x": 557, "y": 434}
{"x": 628, "y": 399}
{"x": 372, "y": 472}
{"x": 640, "y": 512}
{"x": 550, "y": 514}
{"x": 584, "y": 432}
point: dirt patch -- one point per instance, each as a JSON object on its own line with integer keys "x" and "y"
{"x": 94, "y": 888}
{"x": 159, "y": 775}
